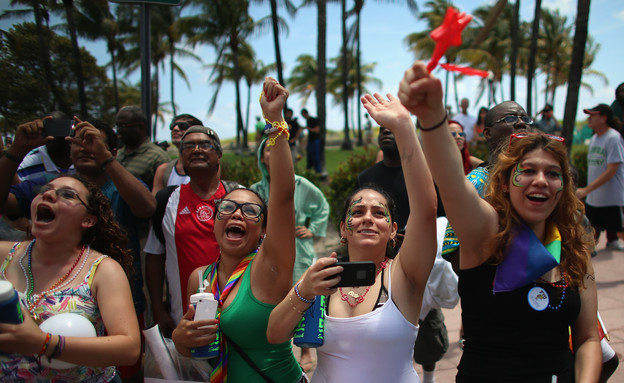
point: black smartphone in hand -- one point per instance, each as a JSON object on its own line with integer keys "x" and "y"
{"x": 355, "y": 274}
{"x": 57, "y": 128}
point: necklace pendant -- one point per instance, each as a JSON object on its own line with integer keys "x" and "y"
{"x": 35, "y": 316}
{"x": 353, "y": 294}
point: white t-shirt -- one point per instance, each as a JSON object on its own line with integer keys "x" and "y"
{"x": 603, "y": 150}
{"x": 468, "y": 122}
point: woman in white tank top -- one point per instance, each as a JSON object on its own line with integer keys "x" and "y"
{"x": 370, "y": 330}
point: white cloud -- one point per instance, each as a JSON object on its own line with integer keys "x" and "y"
{"x": 619, "y": 15}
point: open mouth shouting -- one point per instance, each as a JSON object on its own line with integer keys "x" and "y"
{"x": 44, "y": 214}
{"x": 235, "y": 231}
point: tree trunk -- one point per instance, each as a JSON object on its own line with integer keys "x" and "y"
{"x": 44, "y": 56}
{"x": 514, "y": 49}
{"x": 346, "y": 143}
{"x": 172, "y": 83}
{"x": 278, "y": 55}
{"x": 532, "y": 52}
{"x": 321, "y": 85}
{"x": 239, "y": 116}
{"x": 358, "y": 78}
{"x": 69, "y": 8}
{"x": 576, "y": 70}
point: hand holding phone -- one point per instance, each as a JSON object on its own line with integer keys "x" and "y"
{"x": 57, "y": 128}
{"x": 355, "y": 274}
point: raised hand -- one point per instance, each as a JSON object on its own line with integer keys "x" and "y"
{"x": 314, "y": 280}
{"x": 386, "y": 113}
{"x": 421, "y": 93}
{"x": 272, "y": 99}
{"x": 91, "y": 140}
{"x": 28, "y": 137}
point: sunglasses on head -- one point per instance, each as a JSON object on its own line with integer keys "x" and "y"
{"x": 520, "y": 135}
{"x": 180, "y": 124}
{"x": 512, "y": 119}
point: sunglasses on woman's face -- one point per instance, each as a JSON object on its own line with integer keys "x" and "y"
{"x": 460, "y": 134}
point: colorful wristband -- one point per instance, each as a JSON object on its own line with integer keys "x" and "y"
{"x": 300, "y": 297}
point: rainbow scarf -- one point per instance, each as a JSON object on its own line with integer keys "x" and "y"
{"x": 527, "y": 258}
{"x": 219, "y": 373}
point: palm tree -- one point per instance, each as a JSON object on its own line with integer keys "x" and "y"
{"x": 253, "y": 71}
{"x": 225, "y": 24}
{"x": 41, "y": 15}
{"x": 532, "y": 53}
{"x": 68, "y": 6}
{"x": 96, "y": 21}
{"x": 304, "y": 78}
{"x": 576, "y": 69}
{"x": 355, "y": 32}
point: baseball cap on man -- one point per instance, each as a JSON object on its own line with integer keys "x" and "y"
{"x": 547, "y": 108}
{"x": 207, "y": 131}
{"x": 603, "y": 109}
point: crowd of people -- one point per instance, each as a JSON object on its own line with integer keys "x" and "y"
{"x": 525, "y": 278}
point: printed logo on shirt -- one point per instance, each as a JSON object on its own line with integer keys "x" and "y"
{"x": 185, "y": 210}
{"x": 204, "y": 213}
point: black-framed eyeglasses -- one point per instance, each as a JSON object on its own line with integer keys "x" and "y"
{"x": 203, "y": 145}
{"x": 180, "y": 124}
{"x": 460, "y": 134}
{"x": 248, "y": 209}
{"x": 512, "y": 119}
{"x": 64, "y": 193}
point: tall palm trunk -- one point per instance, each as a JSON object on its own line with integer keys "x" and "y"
{"x": 172, "y": 82}
{"x": 532, "y": 52}
{"x": 346, "y": 143}
{"x": 321, "y": 85}
{"x": 69, "y": 8}
{"x": 576, "y": 70}
{"x": 44, "y": 56}
{"x": 358, "y": 78}
{"x": 514, "y": 49}
{"x": 278, "y": 54}
{"x": 237, "y": 76}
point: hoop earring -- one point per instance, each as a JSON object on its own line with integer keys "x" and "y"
{"x": 343, "y": 240}
{"x": 393, "y": 244}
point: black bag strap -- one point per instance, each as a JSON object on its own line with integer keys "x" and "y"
{"x": 247, "y": 359}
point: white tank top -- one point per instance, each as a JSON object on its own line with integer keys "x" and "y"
{"x": 375, "y": 347}
{"x": 176, "y": 178}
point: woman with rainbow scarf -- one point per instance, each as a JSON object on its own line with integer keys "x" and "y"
{"x": 254, "y": 271}
{"x": 525, "y": 274}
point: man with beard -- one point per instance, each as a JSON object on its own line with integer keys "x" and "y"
{"x": 172, "y": 173}
{"x": 140, "y": 156}
{"x": 92, "y": 151}
{"x": 182, "y": 234}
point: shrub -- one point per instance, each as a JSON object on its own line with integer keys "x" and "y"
{"x": 579, "y": 160}
{"x": 242, "y": 169}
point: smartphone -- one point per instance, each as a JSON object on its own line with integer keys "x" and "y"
{"x": 58, "y": 128}
{"x": 355, "y": 274}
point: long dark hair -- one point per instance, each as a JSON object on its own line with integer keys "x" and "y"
{"x": 106, "y": 236}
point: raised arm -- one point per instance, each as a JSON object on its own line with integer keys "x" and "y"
{"x": 134, "y": 193}
{"x": 27, "y": 137}
{"x": 275, "y": 260}
{"x": 421, "y": 93}
{"x": 415, "y": 259}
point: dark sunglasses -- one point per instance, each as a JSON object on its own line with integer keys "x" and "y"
{"x": 520, "y": 135}
{"x": 460, "y": 134}
{"x": 64, "y": 193}
{"x": 181, "y": 125}
{"x": 511, "y": 119}
{"x": 248, "y": 209}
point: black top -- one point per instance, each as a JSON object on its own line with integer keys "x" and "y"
{"x": 312, "y": 122}
{"x": 506, "y": 340}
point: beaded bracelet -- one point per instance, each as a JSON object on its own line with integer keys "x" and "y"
{"x": 434, "y": 127}
{"x": 46, "y": 343}
{"x": 11, "y": 157}
{"x": 272, "y": 127}
{"x": 308, "y": 301}
{"x": 295, "y": 307}
{"x": 271, "y": 141}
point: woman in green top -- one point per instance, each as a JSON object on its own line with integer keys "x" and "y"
{"x": 261, "y": 255}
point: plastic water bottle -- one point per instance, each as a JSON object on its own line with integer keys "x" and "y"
{"x": 10, "y": 310}
{"x": 309, "y": 333}
{"x": 205, "y": 308}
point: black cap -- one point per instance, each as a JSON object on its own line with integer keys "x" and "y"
{"x": 603, "y": 109}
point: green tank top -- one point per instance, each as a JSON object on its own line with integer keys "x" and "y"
{"x": 245, "y": 321}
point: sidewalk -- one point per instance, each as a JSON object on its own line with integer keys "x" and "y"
{"x": 609, "y": 269}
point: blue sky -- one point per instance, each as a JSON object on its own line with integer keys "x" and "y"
{"x": 384, "y": 27}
